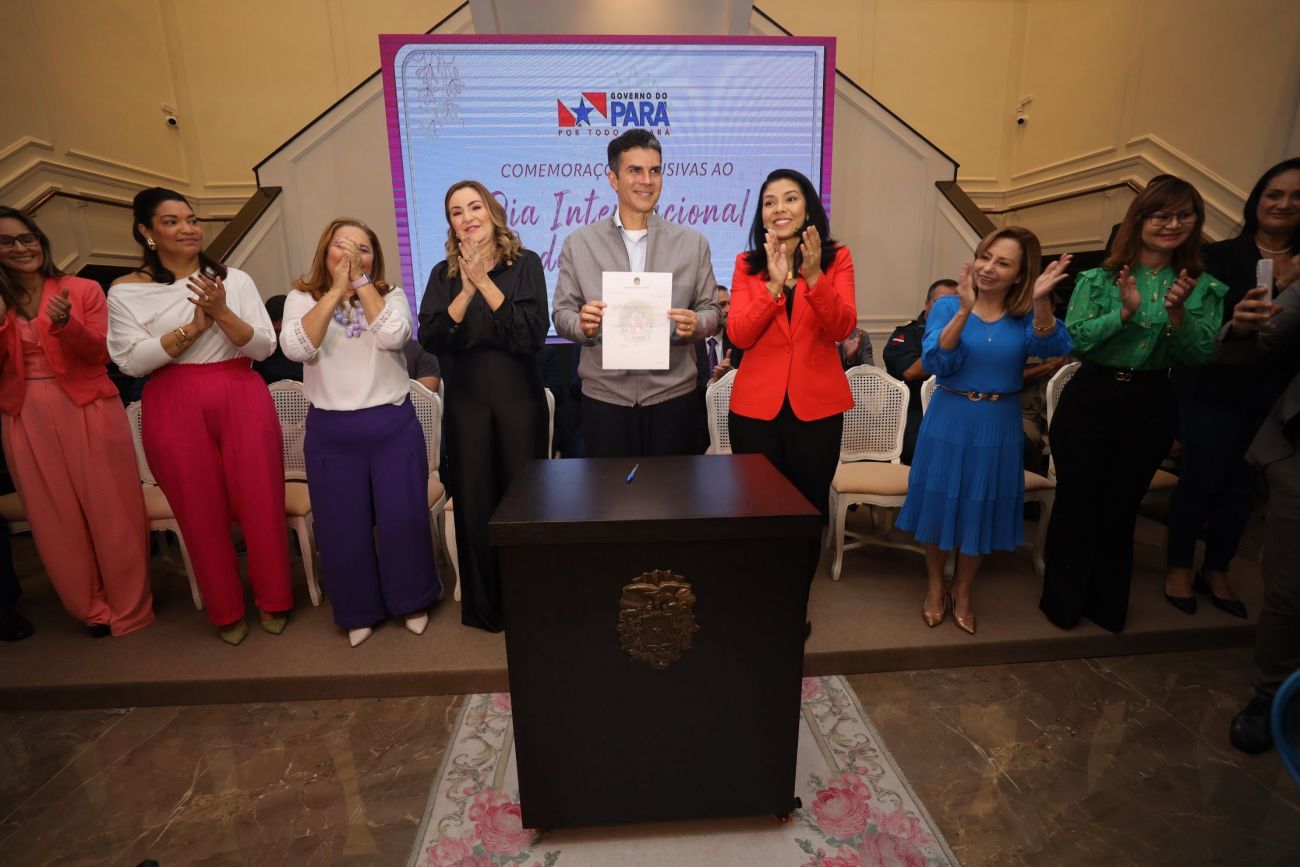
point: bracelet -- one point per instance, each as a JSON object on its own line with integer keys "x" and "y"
{"x": 185, "y": 338}
{"x": 1045, "y": 329}
{"x": 361, "y": 281}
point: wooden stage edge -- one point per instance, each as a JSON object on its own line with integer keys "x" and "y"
{"x": 868, "y": 621}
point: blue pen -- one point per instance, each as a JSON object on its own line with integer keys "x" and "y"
{"x": 632, "y": 474}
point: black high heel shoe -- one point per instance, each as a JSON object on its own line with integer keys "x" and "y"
{"x": 1228, "y": 606}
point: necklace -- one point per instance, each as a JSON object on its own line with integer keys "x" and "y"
{"x": 353, "y": 322}
{"x": 988, "y": 326}
{"x": 1264, "y": 249}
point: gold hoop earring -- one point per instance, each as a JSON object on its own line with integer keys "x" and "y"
{"x": 149, "y": 242}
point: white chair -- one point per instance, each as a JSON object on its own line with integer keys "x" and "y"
{"x": 1041, "y": 490}
{"x": 159, "y": 511}
{"x": 927, "y": 392}
{"x": 869, "y": 472}
{"x": 550, "y": 424}
{"x": 291, "y": 407}
{"x": 1056, "y": 385}
{"x": 717, "y": 402}
{"x": 428, "y": 409}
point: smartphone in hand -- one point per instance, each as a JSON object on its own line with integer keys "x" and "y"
{"x": 1264, "y": 276}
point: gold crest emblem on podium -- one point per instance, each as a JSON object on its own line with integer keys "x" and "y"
{"x": 656, "y": 618}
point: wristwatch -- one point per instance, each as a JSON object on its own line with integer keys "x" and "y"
{"x": 361, "y": 281}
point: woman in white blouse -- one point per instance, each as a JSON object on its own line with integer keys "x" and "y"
{"x": 211, "y": 435}
{"x": 366, "y": 466}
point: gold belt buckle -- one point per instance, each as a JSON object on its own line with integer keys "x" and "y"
{"x": 1123, "y": 376}
{"x": 974, "y": 395}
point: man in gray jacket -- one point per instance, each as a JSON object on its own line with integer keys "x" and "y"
{"x": 630, "y": 413}
{"x": 1261, "y": 327}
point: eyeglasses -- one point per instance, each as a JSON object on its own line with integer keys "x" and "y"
{"x": 27, "y": 239}
{"x": 1164, "y": 218}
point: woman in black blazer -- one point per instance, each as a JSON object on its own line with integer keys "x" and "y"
{"x": 1221, "y": 407}
{"x": 484, "y": 316}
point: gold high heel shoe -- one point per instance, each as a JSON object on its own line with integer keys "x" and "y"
{"x": 965, "y": 624}
{"x": 235, "y": 633}
{"x": 931, "y": 618}
{"x": 274, "y": 625}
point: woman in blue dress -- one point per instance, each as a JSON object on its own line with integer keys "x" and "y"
{"x": 966, "y": 489}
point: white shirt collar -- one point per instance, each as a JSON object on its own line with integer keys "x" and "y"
{"x": 618, "y": 221}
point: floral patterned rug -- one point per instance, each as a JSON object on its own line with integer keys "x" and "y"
{"x": 858, "y": 810}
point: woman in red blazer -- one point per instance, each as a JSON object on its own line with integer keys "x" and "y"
{"x": 66, "y": 436}
{"x": 792, "y": 301}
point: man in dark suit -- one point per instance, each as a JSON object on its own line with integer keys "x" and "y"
{"x": 1260, "y": 328}
{"x": 902, "y": 357}
{"x": 714, "y": 355}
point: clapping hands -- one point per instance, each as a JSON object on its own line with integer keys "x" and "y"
{"x": 778, "y": 265}
{"x": 209, "y": 294}
{"x": 810, "y": 254}
{"x": 1176, "y": 297}
{"x": 1129, "y": 296}
{"x": 341, "y": 272}
{"x": 722, "y": 368}
{"x": 1051, "y": 276}
{"x": 473, "y": 264}
{"x": 966, "y": 287}
{"x": 60, "y": 308}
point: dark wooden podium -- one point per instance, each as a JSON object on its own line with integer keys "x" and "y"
{"x": 654, "y": 636}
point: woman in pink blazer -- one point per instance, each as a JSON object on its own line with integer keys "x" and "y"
{"x": 66, "y": 436}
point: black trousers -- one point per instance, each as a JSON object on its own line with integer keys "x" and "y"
{"x": 1277, "y": 635}
{"x": 912, "y": 430}
{"x": 806, "y": 452}
{"x": 1215, "y": 484}
{"x": 1108, "y": 439}
{"x": 496, "y": 423}
{"x": 10, "y": 589}
{"x": 668, "y": 428}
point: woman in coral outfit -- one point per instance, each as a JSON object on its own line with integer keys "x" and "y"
{"x": 66, "y": 437}
{"x": 792, "y": 300}
{"x": 210, "y": 430}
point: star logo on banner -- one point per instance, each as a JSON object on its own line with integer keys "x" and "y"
{"x": 581, "y": 112}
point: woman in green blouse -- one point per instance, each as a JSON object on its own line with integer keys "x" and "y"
{"x": 1147, "y": 309}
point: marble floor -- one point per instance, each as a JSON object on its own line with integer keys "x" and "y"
{"x": 1110, "y": 761}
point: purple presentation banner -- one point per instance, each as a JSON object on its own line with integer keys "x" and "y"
{"x": 531, "y": 117}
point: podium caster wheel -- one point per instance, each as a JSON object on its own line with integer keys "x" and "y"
{"x": 786, "y": 817}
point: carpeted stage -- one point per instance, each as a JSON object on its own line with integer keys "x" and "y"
{"x": 868, "y": 621}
